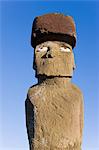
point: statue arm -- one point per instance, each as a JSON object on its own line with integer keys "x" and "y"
{"x": 81, "y": 117}
{"x": 29, "y": 110}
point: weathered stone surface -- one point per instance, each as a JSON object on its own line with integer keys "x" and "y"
{"x": 58, "y": 115}
{"x": 54, "y": 107}
{"x": 53, "y": 27}
{"x": 54, "y": 62}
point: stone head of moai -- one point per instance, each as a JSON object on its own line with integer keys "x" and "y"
{"x": 53, "y": 37}
{"x": 54, "y": 106}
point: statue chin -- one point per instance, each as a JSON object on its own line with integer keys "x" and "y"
{"x": 55, "y": 67}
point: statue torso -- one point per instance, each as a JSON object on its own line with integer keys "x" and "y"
{"x": 56, "y": 115}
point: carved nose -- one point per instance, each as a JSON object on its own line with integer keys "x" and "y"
{"x": 48, "y": 54}
{"x": 48, "y": 49}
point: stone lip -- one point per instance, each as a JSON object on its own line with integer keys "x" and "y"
{"x": 53, "y": 27}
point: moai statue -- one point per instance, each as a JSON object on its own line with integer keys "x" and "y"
{"x": 54, "y": 106}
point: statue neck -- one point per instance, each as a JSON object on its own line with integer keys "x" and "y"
{"x": 54, "y": 79}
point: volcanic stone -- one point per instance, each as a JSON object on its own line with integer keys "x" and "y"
{"x": 53, "y": 27}
{"x": 55, "y": 115}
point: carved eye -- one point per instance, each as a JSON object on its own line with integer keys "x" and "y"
{"x": 65, "y": 49}
{"x": 42, "y": 49}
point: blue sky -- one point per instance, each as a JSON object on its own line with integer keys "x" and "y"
{"x": 17, "y": 75}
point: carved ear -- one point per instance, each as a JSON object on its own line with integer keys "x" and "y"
{"x": 74, "y": 65}
{"x": 34, "y": 63}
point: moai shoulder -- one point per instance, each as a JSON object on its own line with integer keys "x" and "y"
{"x": 68, "y": 89}
{"x": 54, "y": 107}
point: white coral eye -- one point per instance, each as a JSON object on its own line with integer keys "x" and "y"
{"x": 42, "y": 49}
{"x": 63, "y": 49}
